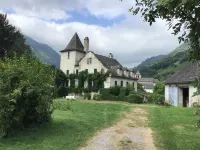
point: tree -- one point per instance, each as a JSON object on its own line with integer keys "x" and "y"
{"x": 11, "y": 40}
{"x": 27, "y": 91}
{"x": 182, "y": 16}
{"x": 159, "y": 88}
{"x": 60, "y": 81}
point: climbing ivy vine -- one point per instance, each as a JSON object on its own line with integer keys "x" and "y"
{"x": 94, "y": 82}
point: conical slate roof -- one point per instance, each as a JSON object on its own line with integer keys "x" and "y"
{"x": 74, "y": 44}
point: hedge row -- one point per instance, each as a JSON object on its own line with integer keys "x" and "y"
{"x": 133, "y": 97}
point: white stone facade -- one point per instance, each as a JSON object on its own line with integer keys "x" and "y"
{"x": 76, "y": 58}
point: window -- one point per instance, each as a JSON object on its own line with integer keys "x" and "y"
{"x": 67, "y": 72}
{"x": 89, "y": 61}
{"x": 95, "y": 70}
{"x": 121, "y": 83}
{"x": 115, "y": 83}
{"x": 76, "y": 71}
{"x": 127, "y": 83}
{"x": 68, "y": 54}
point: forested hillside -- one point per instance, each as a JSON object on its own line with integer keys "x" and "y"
{"x": 167, "y": 65}
{"x": 44, "y": 52}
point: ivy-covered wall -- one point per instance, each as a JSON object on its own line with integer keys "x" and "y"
{"x": 86, "y": 82}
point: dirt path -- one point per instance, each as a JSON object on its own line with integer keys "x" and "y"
{"x": 131, "y": 133}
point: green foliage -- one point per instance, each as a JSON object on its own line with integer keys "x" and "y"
{"x": 45, "y": 53}
{"x": 123, "y": 92}
{"x": 149, "y": 97}
{"x": 159, "y": 88}
{"x": 162, "y": 69}
{"x": 140, "y": 87}
{"x": 97, "y": 79}
{"x": 26, "y": 93}
{"x": 97, "y": 97}
{"x": 87, "y": 96}
{"x": 127, "y": 94}
{"x": 60, "y": 82}
{"x": 115, "y": 90}
{"x": 68, "y": 130}
{"x": 135, "y": 98}
{"x": 11, "y": 39}
{"x": 158, "y": 99}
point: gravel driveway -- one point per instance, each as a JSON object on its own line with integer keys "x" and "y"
{"x": 131, "y": 133}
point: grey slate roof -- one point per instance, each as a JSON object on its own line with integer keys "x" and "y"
{"x": 74, "y": 44}
{"x": 186, "y": 75}
{"x": 148, "y": 80}
{"x": 112, "y": 65}
{"x": 108, "y": 62}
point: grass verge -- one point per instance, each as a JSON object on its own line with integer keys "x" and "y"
{"x": 175, "y": 128}
{"x": 69, "y": 129}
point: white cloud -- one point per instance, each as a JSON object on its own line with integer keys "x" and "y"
{"x": 131, "y": 41}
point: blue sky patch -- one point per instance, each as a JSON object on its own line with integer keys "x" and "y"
{"x": 87, "y": 18}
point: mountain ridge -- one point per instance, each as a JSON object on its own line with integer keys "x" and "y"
{"x": 44, "y": 52}
{"x": 165, "y": 67}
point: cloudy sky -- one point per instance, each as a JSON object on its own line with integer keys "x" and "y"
{"x": 108, "y": 24}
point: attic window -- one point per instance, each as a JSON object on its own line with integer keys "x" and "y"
{"x": 89, "y": 61}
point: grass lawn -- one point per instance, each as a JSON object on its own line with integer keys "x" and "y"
{"x": 174, "y": 128}
{"x": 69, "y": 129}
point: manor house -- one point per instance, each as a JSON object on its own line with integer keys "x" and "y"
{"x": 76, "y": 58}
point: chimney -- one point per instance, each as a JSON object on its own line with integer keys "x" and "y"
{"x": 110, "y": 55}
{"x": 86, "y": 44}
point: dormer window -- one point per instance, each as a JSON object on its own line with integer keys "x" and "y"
{"x": 89, "y": 61}
{"x": 119, "y": 71}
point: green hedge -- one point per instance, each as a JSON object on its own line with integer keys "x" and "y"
{"x": 158, "y": 99}
{"x": 135, "y": 98}
{"x": 97, "y": 97}
{"x": 87, "y": 96}
{"x": 124, "y": 95}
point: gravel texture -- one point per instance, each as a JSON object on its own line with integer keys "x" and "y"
{"x": 131, "y": 133}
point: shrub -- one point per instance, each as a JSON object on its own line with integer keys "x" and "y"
{"x": 129, "y": 89}
{"x": 115, "y": 90}
{"x": 149, "y": 97}
{"x": 135, "y": 98}
{"x": 159, "y": 88}
{"x": 26, "y": 93}
{"x": 122, "y": 92}
{"x": 97, "y": 97}
{"x": 106, "y": 94}
{"x": 158, "y": 99}
{"x": 87, "y": 96}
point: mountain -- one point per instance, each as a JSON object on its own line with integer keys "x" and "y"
{"x": 181, "y": 48}
{"x": 151, "y": 60}
{"x": 44, "y": 52}
{"x": 166, "y": 65}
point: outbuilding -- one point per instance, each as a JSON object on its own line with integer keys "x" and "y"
{"x": 179, "y": 88}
